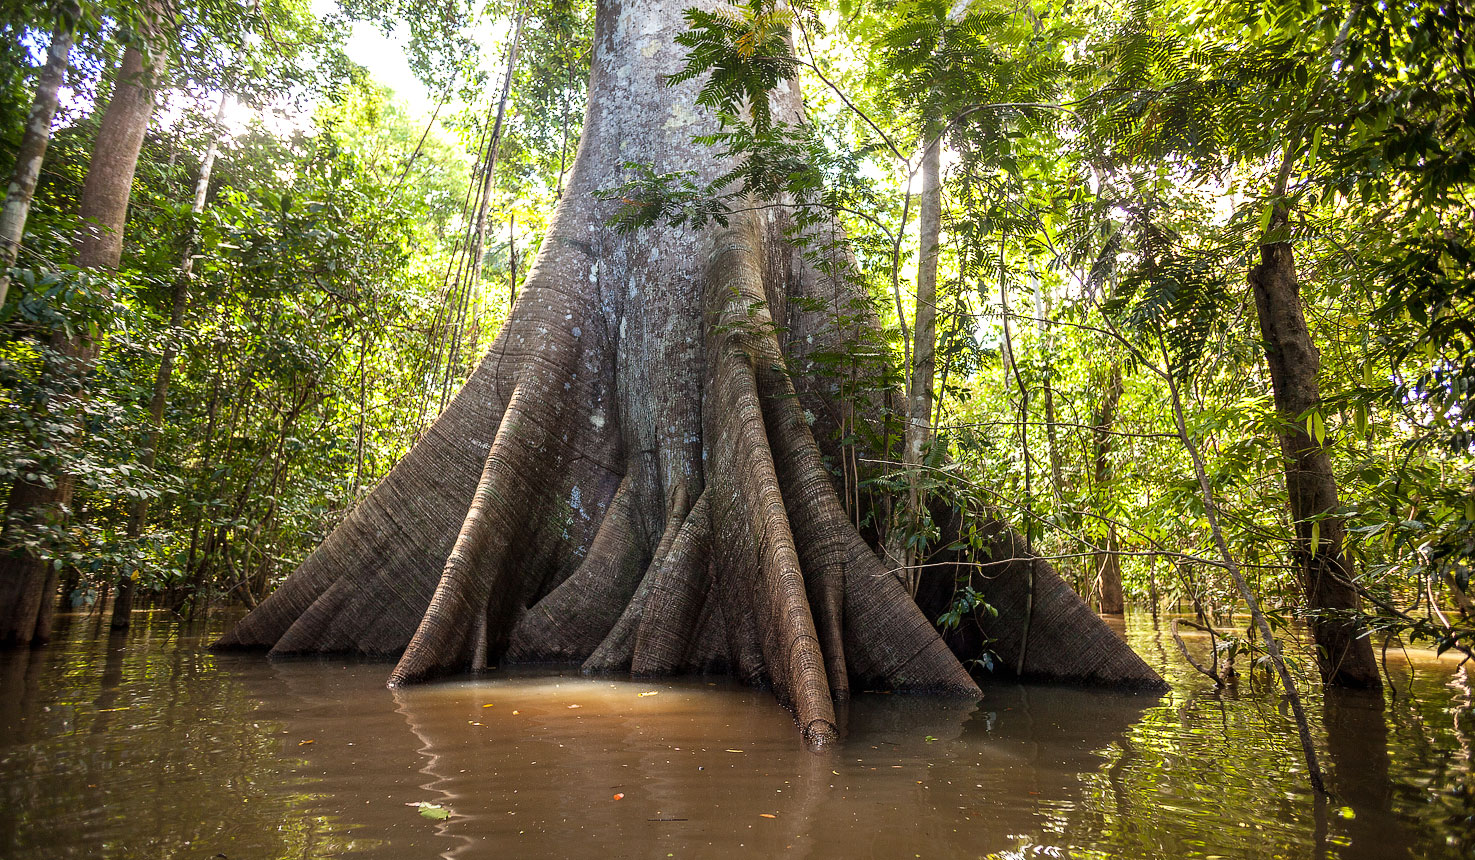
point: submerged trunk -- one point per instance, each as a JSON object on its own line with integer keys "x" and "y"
{"x": 1343, "y": 653}
{"x": 26, "y": 581}
{"x": 33, "y": 145}
{"x": 634, "y": 478}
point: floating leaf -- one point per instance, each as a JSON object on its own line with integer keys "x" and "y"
{"x": 433, "y": 811}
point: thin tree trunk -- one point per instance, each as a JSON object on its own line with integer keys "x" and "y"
{"x": 1272, "y": 645}
{"x": 920, "y": 381}
{"x": 358, "y": 448}
{"x": 138, "y": 517}
{"x": 1042, "y": 327}
{"x": 103, "y": 207}
{"x": 1152, "y": 587}
{"x": 1108, "y": 561}
{"x": 32, "y": 152}
{"x": 1343, "y": 653}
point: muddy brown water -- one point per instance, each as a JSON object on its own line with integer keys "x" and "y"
{"x": 151, "y": 746}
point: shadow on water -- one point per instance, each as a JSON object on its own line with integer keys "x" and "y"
{"x": 1358, "y": 765}
{"x": 150, "y": 746}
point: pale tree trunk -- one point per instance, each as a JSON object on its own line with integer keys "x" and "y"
{"x": 921, "y": 375}
{"x": 1042, "y": 328}
{"x": 634, "y": 477}
{"x": 32, "y": 152}
{"x": 138, "y": 516}
{"x": 1344, "y": 653}
{"x": 27, "y": 582}
{"x": 1108, "y": 559}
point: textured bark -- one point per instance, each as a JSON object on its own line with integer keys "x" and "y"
{"x": 33, "y": 144}
{"x": 103, "y": 206}
{"x": 1344, "y": 654}
{"x": 1108, "y": 562}
{"x": 634, "y": 476}
{"x": 1042, "y": 630}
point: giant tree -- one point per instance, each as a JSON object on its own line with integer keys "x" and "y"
{"x": 635, "y": 476}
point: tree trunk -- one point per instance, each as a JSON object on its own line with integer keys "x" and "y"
{"x": 138, "y": 516}
{"x": 1108, "y": 561}
{"x": 634, "y": 477}
{"x": 1344, "y": 654}
{"x": 920, "y": 378}
{"x": 33, "y": 143}
{"x": 103, "y": 207}
{"x": 1042, "y": 328}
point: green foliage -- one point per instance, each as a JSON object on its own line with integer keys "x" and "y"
{"x": 311, "y": 314}
{"x": 744, "y": 54}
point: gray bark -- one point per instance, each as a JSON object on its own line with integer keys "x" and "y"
{"x": 33, "y": 144}
{"x": 634, "y": 476}
{"x": 921, "y": 376}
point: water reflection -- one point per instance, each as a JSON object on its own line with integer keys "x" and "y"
{"x": 136, "y": 747}
{"x": 150, "y": 746}
{"x": 588, "y": 768}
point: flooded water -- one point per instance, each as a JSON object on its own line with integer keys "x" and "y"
{"x": 154, "y": 747}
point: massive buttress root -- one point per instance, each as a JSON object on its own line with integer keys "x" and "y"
{"x": 636, "y": 477}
